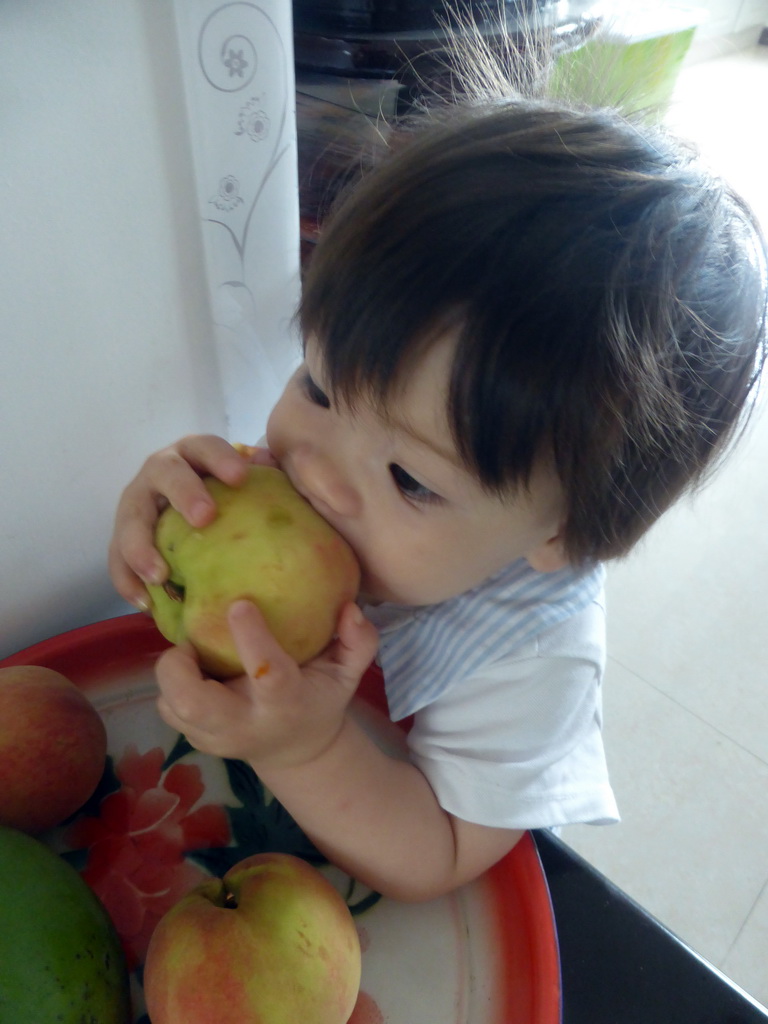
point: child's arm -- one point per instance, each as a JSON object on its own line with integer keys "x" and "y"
{"x": 373, "y": 815}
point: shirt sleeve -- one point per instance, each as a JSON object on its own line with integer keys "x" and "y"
{"x": 520, "y": 745}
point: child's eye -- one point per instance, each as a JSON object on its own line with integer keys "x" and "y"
{"x": 411, "y": 488}
{"x": 313, "y": 392}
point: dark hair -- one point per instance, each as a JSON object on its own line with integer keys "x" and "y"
{"x": 608, "y": 294}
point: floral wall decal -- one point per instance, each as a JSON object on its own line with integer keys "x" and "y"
{"x": 228, "y": 196}
{"x": 253, "y": 120}
{"x": 237, "y": 61}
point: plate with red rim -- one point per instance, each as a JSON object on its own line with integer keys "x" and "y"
{"x": 164, "y": 817}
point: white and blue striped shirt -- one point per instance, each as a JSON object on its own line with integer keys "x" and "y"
{"x": 504, "y": 682}
{"x": 424, "y": 651}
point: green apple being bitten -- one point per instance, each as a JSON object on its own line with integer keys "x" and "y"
{"x": 272, "y": 942}
{"x": 266, "y": 544}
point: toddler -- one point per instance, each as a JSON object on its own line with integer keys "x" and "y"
{"x": 526, "y": 333}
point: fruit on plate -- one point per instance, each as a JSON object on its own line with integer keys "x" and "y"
{"x": 52, "y": 747}
{"x": 271, "y": 943}
{"x": 60, "y": 958}
{"x": 266, "y": 544}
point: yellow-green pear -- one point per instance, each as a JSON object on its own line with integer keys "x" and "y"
{"x": 266, "y": 544}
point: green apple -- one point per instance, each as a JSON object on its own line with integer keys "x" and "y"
{"x": 271, "y": 943}
{"x": 53, "y": 745}
{"x": 266, "y": 544}
{"x": 60, "y": 958}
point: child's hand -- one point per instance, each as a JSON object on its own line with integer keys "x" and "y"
{"x": 277, "y": 715}
{"x": 170, "y": 476}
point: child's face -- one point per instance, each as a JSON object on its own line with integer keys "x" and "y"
{"x": 422, "y": 527}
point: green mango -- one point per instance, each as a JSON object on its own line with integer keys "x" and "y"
{"x": 60, "y": 958}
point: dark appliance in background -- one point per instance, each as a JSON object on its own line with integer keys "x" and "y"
{"x": 359, "y": 63}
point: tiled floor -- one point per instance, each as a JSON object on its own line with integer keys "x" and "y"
{"x": 686, "y": 694}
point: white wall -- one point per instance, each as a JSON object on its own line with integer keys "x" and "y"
{"x": 727, "y": 26}
{"x": 108, "y": 347}
{"x": 729, "y": 16}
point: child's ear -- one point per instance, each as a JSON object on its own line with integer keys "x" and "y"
{"x": 549, "y": 556}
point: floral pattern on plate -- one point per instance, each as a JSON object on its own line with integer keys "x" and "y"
{"x": 165, "y": 816}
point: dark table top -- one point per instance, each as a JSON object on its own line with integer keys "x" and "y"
{"x": 620, "y": 965}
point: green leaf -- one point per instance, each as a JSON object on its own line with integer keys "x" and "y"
{"x": 245, "y": 784}
{"x": 180, "y": 749}
{"x": 77, "y": 858}
{"x": 364, "y": 904}
{"x": 108, "y": 783}
{"x": 218, "y": 860}
{"x": 262, "y": 824}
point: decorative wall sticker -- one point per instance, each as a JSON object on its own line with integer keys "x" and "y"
{"x": 228, "y": 196}
{"x": 253, "y": 121}
{"x": 237, "y": 61}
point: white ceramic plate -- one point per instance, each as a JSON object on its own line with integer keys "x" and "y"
{"x": 166, "y": 816}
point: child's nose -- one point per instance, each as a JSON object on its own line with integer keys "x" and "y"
{"x": 324, "y": 483}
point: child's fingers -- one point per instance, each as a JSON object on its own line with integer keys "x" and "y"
{"x": 355, "y": 646}
{"x": 127, "y": 583}
{"x": 209, "y": 454}
{"x": 173, "y": 475}
{"x": 133, "y": 559}
{"x": 187, "y": 697}
{"x": 170, "y": 476}
{"x": 256, "y": 455}
{"x": 259, "y": 651}
{"x": 346, "y": 658}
